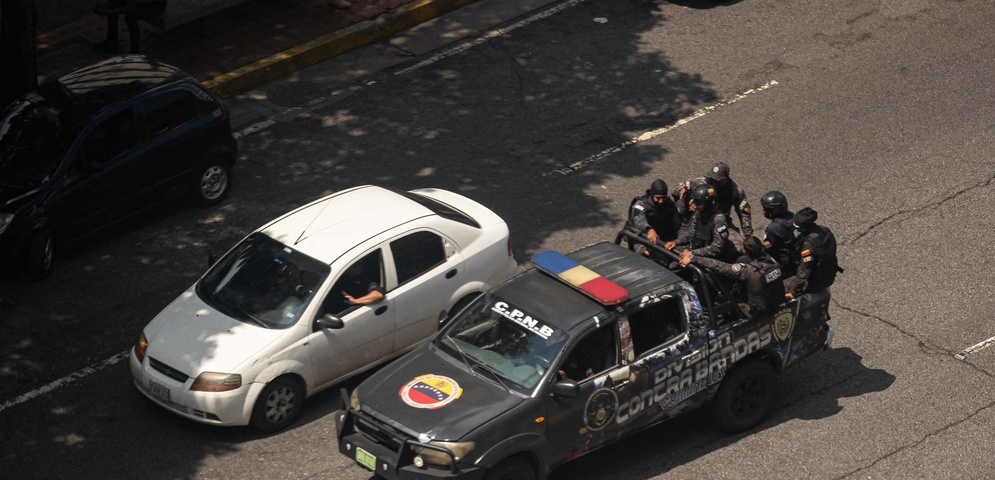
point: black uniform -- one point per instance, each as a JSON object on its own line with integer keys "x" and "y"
{"x": 708, "y": 236}
{"x": 729, "y": 196}
{"x": 781, "y": 242}
{"x": 644, "y": 215}
{"x": 762, "y": 278}
{"x": 817, "y": 262}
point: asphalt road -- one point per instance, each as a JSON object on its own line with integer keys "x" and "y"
{"x": 877, "y": 113}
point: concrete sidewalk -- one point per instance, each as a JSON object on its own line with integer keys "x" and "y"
{"x": 239, "y": 48}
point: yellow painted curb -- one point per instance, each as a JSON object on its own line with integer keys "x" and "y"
{"x": 320, "y": 49}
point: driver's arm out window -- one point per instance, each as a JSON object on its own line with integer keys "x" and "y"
{"x": 356, "y": 280}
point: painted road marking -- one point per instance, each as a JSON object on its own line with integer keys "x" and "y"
{"x": 255, "y": 127}
{"x": 65, "y": 380}
{"x": 445, "y": 53}
{"x": 974, "y": 348}
{"x": 573, "y": 167}
{"x": 488, "y": 36}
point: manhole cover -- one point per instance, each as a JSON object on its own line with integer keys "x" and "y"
{"x": 297, "y": 94}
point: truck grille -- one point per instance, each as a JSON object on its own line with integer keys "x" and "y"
{"x": 379, "y": 432}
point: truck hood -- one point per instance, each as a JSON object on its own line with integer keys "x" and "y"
{"x": 192, "y": 337}
{"x": 434, "y": 399}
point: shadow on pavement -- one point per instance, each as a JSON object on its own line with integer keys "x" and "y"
{"x": 810, "y": 391}
{"x": 495, "y": 124}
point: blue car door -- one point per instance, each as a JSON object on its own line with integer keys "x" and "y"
{"x": 101, "y": 185}
{"x": 179, "y": 122}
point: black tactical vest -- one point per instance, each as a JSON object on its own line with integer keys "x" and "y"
{"x": 703, "y": 230}
{"x": 764, "y": 289}
{"x": 826, "y": 265}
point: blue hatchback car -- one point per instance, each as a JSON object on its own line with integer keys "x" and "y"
{"x": 102, "y": 144}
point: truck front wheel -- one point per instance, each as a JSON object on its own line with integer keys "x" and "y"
{"x": 515, "y": 468}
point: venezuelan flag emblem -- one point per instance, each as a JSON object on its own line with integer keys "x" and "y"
{"x": 806, "y": 256}
{"x": 430, "y": 392}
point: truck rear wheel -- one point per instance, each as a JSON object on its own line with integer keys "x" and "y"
{"x": 745, "y": 397}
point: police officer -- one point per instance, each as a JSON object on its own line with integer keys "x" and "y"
{"x": 707, "y": 233}
{"x": 758, "y": 272}
{"x": 817, "y": 263}
{"x": 654, "y": 215}
{"x": 729, "y": 196}
{"x": 780, "y": 236}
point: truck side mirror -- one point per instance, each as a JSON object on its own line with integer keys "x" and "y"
{"x": 330, "y": 321}
{"x": 565, "y": 389}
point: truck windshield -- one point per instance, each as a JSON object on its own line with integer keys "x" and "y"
{"x": 262, "y": 281}
{"x": 514, "y": 346}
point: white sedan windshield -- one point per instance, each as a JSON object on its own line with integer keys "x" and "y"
{"x": 262, "y": 281}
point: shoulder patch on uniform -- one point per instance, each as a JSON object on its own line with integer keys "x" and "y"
{"x": 806, "y": 252}
{"x": 721, "y": 228}
{"x": 806, "y": 259}
{"x": 638, "y": 207}
{"x": 736, "y": 267}
{"x": 767, "y": 244}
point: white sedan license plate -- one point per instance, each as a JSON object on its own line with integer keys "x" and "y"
{"x": 159, "y": 391}
{"x": 366, "y": 459}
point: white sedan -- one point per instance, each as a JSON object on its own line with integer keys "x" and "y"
{"x": 320, "y": 294}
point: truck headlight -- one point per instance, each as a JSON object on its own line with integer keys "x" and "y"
{"x": 435, "y": 457}
{"x": 216, "y": 382}
{"x": 5, "y": 219}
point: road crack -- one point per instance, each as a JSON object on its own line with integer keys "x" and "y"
{"x": 911, "y": 212}
{"x": 915, "y": 444}
{"x": 928, "y": 349}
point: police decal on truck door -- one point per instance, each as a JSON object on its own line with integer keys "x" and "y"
{"x": 673, "y": 365}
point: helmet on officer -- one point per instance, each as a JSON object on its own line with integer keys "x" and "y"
{"x": 703, "y": 197}
{"x": 774, "y": 204}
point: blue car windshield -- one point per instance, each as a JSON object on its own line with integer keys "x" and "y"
{"x": 31, "y": 143}
{"x": 263, "y": 282}
{"x": 512, "y": 346}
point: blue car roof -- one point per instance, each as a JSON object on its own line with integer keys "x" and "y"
{"x": 93, "y": 87}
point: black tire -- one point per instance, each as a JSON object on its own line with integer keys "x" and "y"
{"x": 211, "y": 182}
{"x": 515, "y": 468}
{"x": 745, "y": 396}
{"x": 459, "y": 305}
{"x": 41, "y": 251}
{"x": 278, "y": 405}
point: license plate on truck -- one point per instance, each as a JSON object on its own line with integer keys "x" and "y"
{"x": 366, "y": 459}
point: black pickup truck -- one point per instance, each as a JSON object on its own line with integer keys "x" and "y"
{"x": 571, "y": 356}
